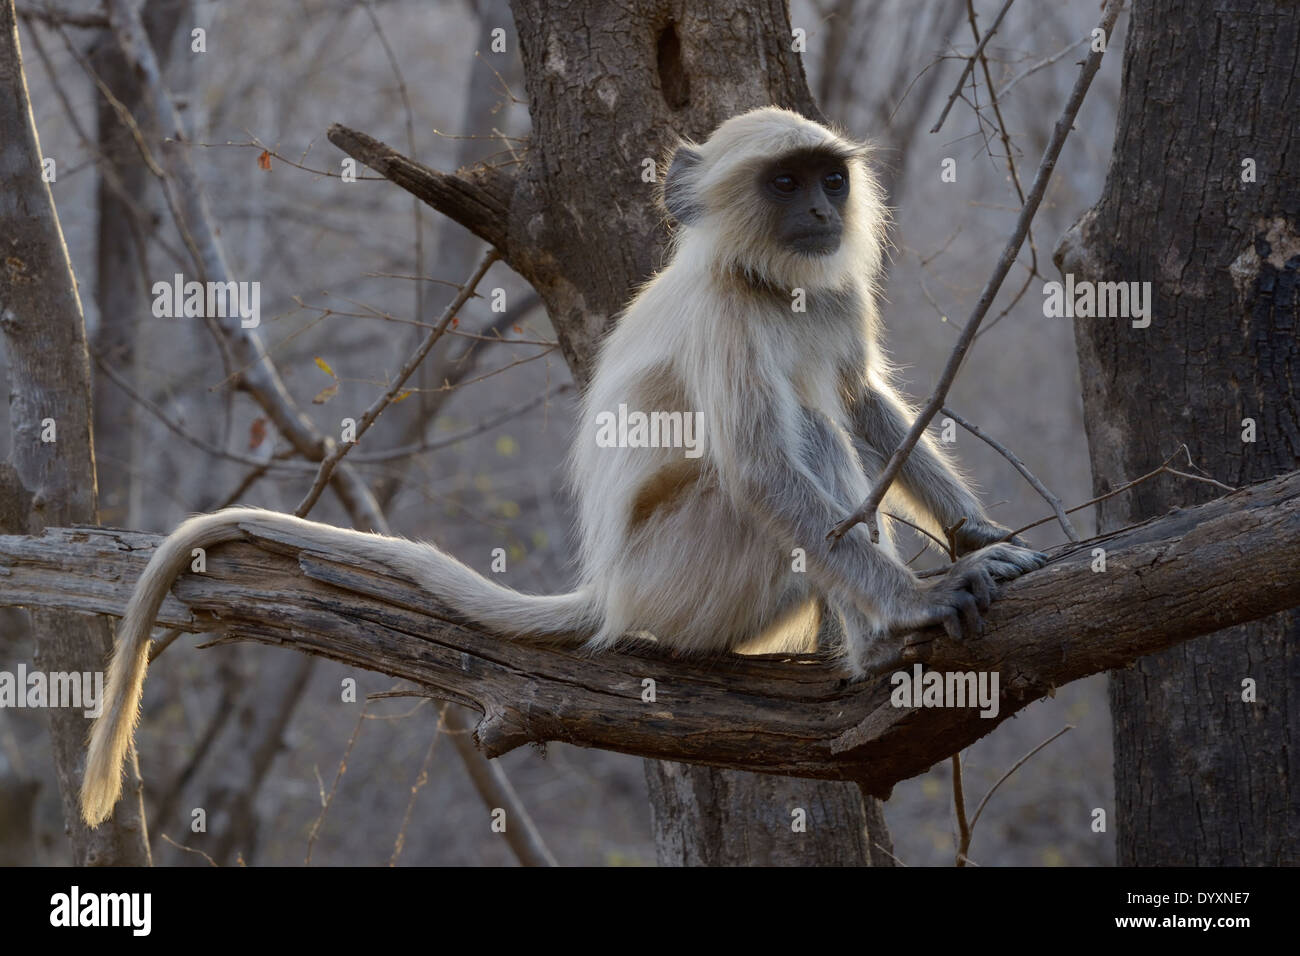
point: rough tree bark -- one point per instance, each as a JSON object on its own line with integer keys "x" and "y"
{"x": 41, "y": 320}
{"x": 1202, "y": 778}
{"x": 610, "y": 86}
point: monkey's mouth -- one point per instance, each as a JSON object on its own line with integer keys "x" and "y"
{"x": 815, "y": 242}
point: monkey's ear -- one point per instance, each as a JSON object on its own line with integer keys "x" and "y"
{"x": 680, "y": 198}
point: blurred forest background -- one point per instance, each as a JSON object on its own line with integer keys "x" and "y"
{"x": 336, "y": 266}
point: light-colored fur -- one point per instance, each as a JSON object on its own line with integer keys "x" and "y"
{"x": 708, "y": 576}
{"x": 697, "y": 552}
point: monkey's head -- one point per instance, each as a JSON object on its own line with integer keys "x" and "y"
{"x": 779, "y": 199}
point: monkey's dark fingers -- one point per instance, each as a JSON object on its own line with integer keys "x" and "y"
{"x": 1007, "y": 556}
{"x": 1003, "y": 570}
{"x": 1022, "y": 557}
{"x": 951, "y": 622}
{"x": 979, "y": 582}
{"x": 972, "y": 624}
{"x": 957, "y": 610}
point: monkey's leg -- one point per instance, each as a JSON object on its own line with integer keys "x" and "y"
{"x": 703, "y": 577}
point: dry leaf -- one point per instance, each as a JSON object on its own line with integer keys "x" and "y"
{"x": 256, "y": 433}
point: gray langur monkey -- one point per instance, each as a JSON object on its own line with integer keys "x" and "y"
{"x": 763, "y": 327}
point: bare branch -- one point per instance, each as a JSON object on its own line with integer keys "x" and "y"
{"x": 337, "y": 451}
{"x": 417, "y": 211}
{"x": 959, "y": 806}
{"x": 494, "y": 787}
{"x": 1164, "y": 469}
{"x": 478, "y": 198}
{"x": 258, "y": 374}
{"x": 485, "y": 425}
{"x": 797, "y": 716}
{"x": 1014, "y": 767}
{"x": 1034, "y": 68}
{"x": 1053, "y": 502}
{"x": 867, "y": 510}
{"x": 1011, "y": 167}
{"x": 970, "y": 65}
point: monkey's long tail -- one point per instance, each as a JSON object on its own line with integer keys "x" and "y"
{"x": 566, "y": 618}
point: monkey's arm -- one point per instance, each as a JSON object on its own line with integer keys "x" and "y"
{"x": 881, "y": 419}
{"x": 796, "y": 472}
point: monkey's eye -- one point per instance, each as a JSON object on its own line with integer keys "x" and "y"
{"x": 784, "y": 183}
{"x": 834, "y": 182}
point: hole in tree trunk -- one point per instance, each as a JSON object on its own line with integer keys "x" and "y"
{"x": 672, "y": 74}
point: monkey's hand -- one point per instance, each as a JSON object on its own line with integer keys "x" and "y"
{"x": 966, "y": 590}
{"x": 976, "y": 533}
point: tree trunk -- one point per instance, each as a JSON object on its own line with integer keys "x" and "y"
{"x": 41, "y": 319}
{"x": 703, "y": 816}
{"x": 1204, "y": 777}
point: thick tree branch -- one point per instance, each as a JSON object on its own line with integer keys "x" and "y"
{"x": 1187, "y": 573}
{"x": 478, "y": 198}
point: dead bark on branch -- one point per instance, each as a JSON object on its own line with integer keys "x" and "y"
{"x": 478, "y": 198}
{"x": 1190, "y": 572}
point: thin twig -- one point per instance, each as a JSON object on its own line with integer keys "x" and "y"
{"x": 1014, "y": 767}
{"x": 1047, "y": 61}
{"x": 337, "y": 451}
{"x": 496, "y": 371}
{"x": 867, "y": 510}
{"x": 959, "y": 804}
{"x": 255, "y": 143}
{"x": 1011, "y": 167}
{"x": 179, "y": 430}
{"x": 1052, "y": 500}
{"x": 970, "y": 65}
{"x": 421, "y": 778}
{"x": 237, "y": 493}
{"x": 485, "y": 425}
{"x": 1164, "y": 469}
{"x": 943, "y": 546}
{"x": 416, "y": 205}
{"x": 54, "y": 17}
{"x": 190, "y": 849}
{"x": 327, "y": 799}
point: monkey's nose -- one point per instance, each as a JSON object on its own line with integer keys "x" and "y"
{"x": 819, "y": 213}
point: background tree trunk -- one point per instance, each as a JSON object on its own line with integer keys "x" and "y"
{"x": 1202, "y": 778}
{"x": 125, "y": 223}
{"x": 49, "y": 379}
{"x": 703, "y": 816}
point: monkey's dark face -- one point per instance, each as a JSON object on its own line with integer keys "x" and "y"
{"x": 806, "y": 193}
